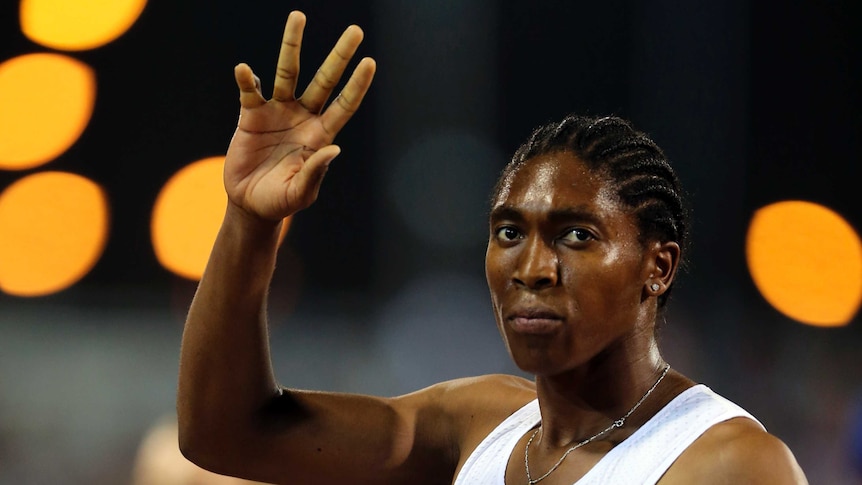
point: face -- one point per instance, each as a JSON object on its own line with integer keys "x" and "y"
{"x": 565, "y": 268}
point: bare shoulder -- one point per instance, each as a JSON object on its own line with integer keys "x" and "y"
{"x": 495, "y": 394}
{"x": 496, "y": 385}
{"x": 463, "y": 411}
{"x": 737, "y": 451}
{"x": 488, "y": 395}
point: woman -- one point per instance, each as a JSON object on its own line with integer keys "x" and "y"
{"x": 586, "y": 234}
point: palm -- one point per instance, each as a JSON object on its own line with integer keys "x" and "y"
{"x": 281, "y": 147}
{"x": 265, "y": 156}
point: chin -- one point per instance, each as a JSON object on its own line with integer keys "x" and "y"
{"x": 538, "y": 363}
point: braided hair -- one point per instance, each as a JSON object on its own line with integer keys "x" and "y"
{"x": 645, "y": 182}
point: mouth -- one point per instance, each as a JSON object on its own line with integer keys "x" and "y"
{"x": 534, "y": 321}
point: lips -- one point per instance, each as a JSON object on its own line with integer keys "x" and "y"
{"x": 534, "y": 321}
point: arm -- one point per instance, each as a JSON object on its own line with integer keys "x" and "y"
{"x": 233, "y": 416}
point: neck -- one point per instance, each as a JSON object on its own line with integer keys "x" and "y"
{"x": 585, "y": 400}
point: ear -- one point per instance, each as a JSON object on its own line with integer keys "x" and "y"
{"x": 662, "y": 261}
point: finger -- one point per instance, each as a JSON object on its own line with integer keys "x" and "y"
{"x": 249, "y": 87}
{"x": 287, "y": 69}
{"x": 330, "y": 71}
{"x": 348, "y": 101}
{"x": 310, "y": 177}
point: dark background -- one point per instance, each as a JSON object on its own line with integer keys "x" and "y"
{"x": 755, "y": 103}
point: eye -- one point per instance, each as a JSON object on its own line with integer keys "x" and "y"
{"x": 507, "y": 233}
{"x": 577, "y": 235}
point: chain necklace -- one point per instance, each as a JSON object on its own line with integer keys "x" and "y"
{"x": 616, "y": 424}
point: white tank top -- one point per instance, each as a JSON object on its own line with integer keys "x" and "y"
{"x": 642, "y": 458}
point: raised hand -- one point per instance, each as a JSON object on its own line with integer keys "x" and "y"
{"x": 282, "y": 147}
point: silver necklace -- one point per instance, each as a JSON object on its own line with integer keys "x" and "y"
{"x": 616, "y": 424}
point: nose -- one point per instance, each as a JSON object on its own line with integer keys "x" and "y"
{"x": 538, "y": 265}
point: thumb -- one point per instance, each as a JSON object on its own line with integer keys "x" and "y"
{"x": 314, "y": 170}
{"x": 249, "y": 87}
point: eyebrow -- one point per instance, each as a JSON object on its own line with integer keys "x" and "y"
{"x": 578, "y": 213}
{"x": 504, "y": 212}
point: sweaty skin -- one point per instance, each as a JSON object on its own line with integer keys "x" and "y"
{"x": 570, "y": 287}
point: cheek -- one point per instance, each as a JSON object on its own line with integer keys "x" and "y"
{"x": 621, "y": 279}
{"x": 607, "y": 279}
{"x": 494, "y": 269}
{"x": 498, "y": 276}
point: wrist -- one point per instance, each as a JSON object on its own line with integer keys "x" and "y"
{"x": 251, "y": 224}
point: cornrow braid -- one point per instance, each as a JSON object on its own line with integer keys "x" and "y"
{"x": 645, "y": 182}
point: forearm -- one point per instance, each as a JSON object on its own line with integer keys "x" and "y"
{"x": 225, "y": 372}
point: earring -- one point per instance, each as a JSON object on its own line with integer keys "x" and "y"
{"x": 654, "y": 287}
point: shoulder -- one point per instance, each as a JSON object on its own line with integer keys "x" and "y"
{"x": 461, "y": 400}
{"x": 736, "y": 451}
{"x": 463, "y": 411}
{"x": 492, "y": 387}
{"x": 489, "y": 395}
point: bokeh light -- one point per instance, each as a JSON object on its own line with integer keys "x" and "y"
{"x": 187, "y": 216}
{"x": 47, "y": 101}
{"x": 54, "y": 226}
{"x": 78, "y": 24}
{"x": 806, "y": 260}
{"x": 160, "y": 462}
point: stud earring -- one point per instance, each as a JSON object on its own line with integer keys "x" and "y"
{"x": 654, "y": 287}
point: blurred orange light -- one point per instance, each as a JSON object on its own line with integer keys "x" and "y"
{"x": 53, "y": 228}
{"x": 806, "y": 261}
{"x": 47, "y": 101}
{"x": 187, "y": 215}
{"x": 78, "y": 24}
